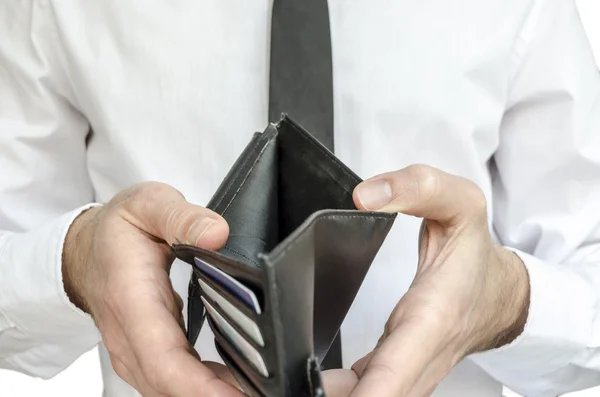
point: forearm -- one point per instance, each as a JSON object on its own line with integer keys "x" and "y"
{"x": 514, "y": 302}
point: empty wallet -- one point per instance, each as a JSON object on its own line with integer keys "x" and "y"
{"x": 299, "y": 245}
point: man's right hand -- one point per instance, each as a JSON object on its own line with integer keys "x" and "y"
{"x": 116, "y": 264}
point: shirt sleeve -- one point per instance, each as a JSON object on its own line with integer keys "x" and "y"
{"x": 546, "y": 199}
{"x": 44, "y": 185}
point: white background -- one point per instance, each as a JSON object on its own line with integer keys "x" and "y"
{"x": 82, "y": 379}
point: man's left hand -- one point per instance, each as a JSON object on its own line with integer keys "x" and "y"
{"x": 468, "y": 295}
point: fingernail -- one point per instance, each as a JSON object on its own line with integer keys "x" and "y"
{"x": 199, "y": 229}
{"x": 374, "y": 195}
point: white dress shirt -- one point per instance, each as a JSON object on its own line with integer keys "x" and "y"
{"x": 98, "y": 95}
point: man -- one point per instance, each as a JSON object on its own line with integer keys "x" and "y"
{"x": 503, "y": 95}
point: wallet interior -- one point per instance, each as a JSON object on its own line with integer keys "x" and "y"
{"x": 288, "y": 202}
{"x": 282, "y": 178}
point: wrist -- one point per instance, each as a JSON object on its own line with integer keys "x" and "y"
{"x": 505, "y": 312}
{"x": 76, "y": 256}
{"x": 514, "y": 306}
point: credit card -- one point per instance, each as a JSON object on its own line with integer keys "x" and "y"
{"x": 243, "y": 321}
{"x": 241, "y": 345}
{"x": 236, "y": 288}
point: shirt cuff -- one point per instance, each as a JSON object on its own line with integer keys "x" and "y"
{"x": 558, "y": 328}
{"x": 46, "y": 332}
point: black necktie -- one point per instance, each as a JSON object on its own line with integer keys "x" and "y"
{"x": 301, "y": 81}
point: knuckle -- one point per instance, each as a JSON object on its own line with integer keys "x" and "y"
{"x": 427, "y": 181}
{"x": 476, "y": 197}
{"x": 157, "y": 188}
{"x": 151, "y": 206}
{"x": 153, "y": 193}
{"x": 148, "y": 195}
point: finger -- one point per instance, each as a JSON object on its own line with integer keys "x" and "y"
{"x": 422, "y": 191}
{"x": 201, "y": 381}
{"x": 397, "y": 364}
{"x": 163, "y": 212}
{"x": 166, "y": 358}
{"x": 222, "y": 372}
{"x": 179, "y": 312}
{"x": 360, "y": 366}
{"x": 339, "y": 382}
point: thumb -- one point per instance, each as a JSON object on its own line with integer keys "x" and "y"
{"x": 422, "y": 191}
{"x": 161, "y": 211}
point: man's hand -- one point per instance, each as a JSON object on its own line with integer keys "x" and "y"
{"x": 116, "y": 266}
{"x": 468, "y": 295}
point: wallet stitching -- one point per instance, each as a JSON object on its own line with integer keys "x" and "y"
{"x": 242, "y": 255}
{"x": 328, "y": 154}
{"x": 246, "y": 177}
{"x": 249, "y": 237}
{"x": 213, "y": 255}
{"x": 236, "y": 176}
{"x": 292, "y": 243}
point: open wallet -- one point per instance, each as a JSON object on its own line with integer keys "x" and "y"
{"x": 298, "y": 251}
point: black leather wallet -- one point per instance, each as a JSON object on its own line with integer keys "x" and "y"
{"x": 298, "y": 243}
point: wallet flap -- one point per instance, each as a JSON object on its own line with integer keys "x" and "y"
{"x": 315, "y": 292}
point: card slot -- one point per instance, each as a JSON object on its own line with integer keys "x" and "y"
{"x": 249, "y": 368}
{"x": 251, "y": 276}
{"x": 231, "y": 298}
{"x": 264, "y": 322}
{"x": 253, "y": 354}
{"x": 254, "y": 335}
{"x": 260, "y": 387}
